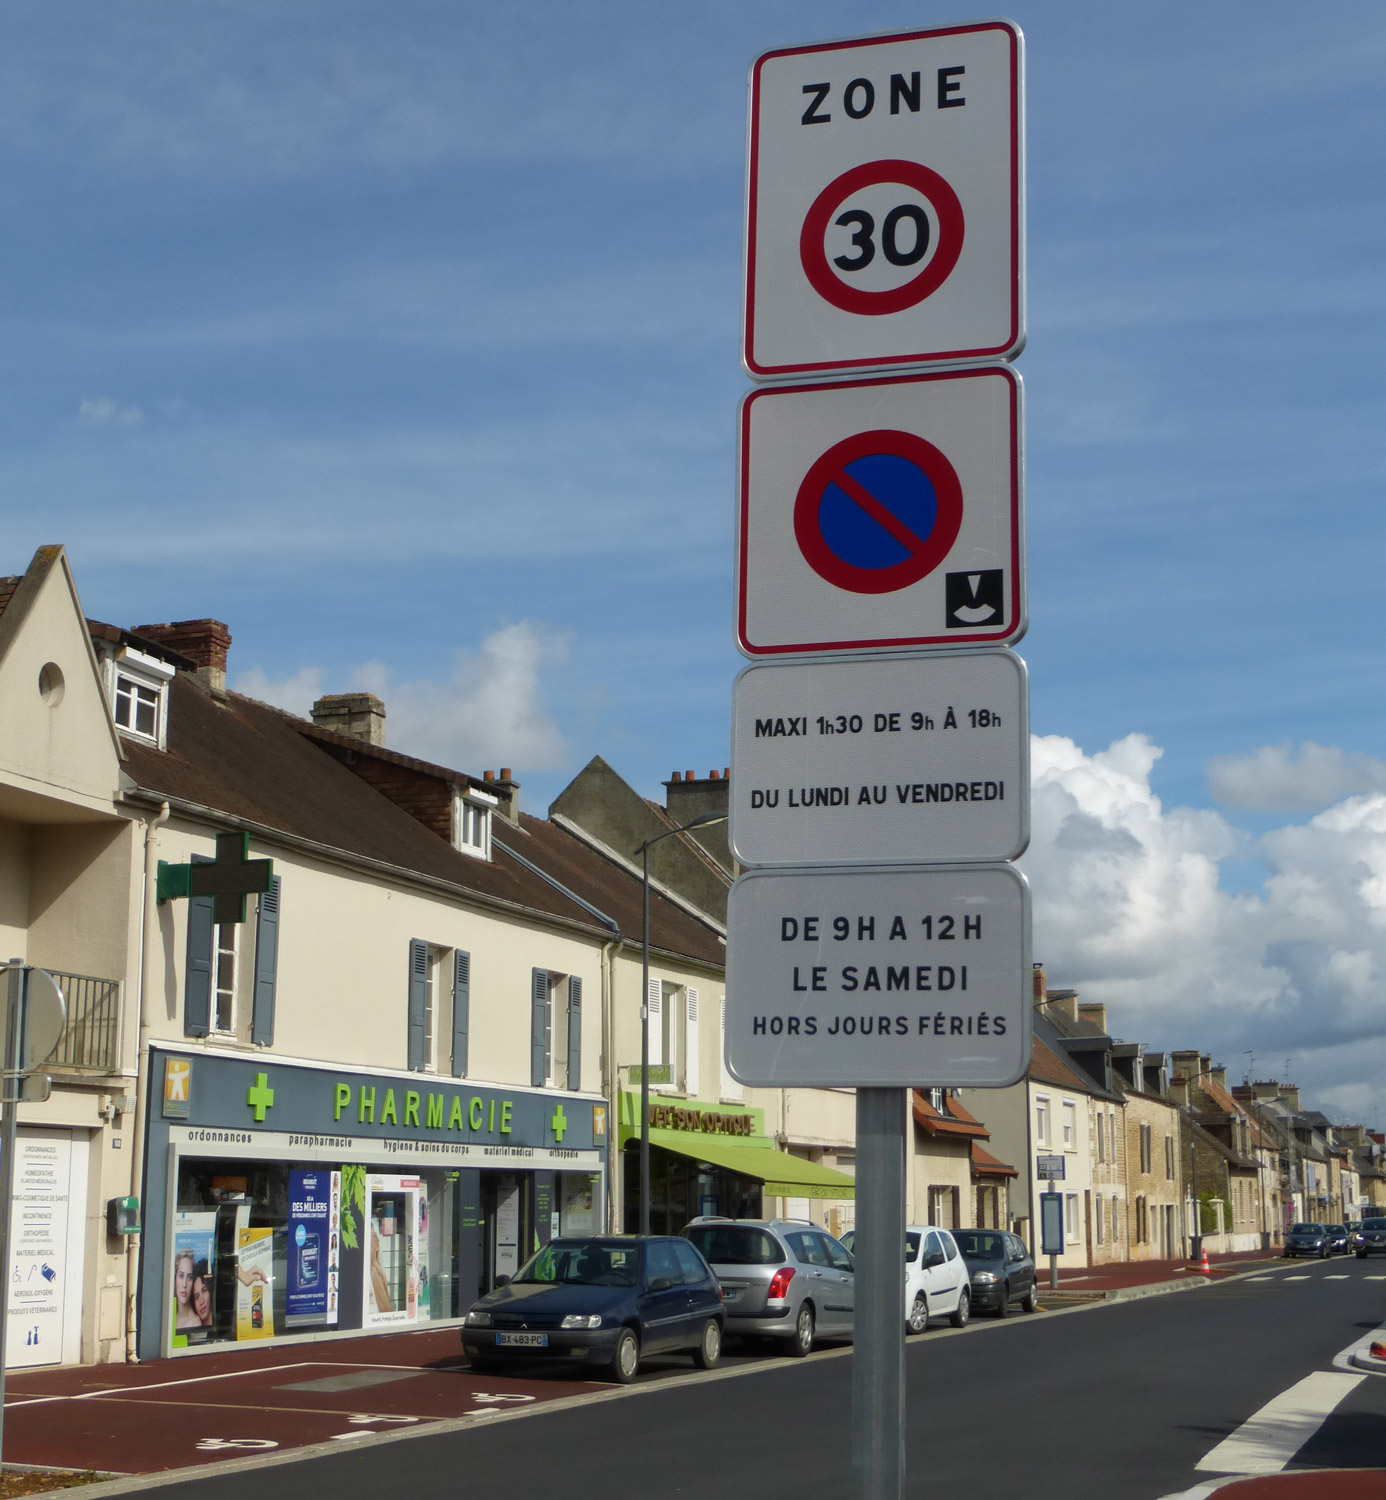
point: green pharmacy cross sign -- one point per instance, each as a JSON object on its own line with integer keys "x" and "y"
{"x": 228, "y": 879}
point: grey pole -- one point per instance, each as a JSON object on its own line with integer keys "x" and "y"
{"x": 878, "y": 1352}
{"x": 14, "y": 1014}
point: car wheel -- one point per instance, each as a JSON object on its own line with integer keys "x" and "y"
{"x": 917, "y": 1319}
{"x": 1361, "y": 1255}
{"x": 1004, "y": 1305}
{"x": 484, "y": 1366}
{"x": 709, "y": 1349}
{"x": 802, "y": 1341}
{"x": 1029, "y": 1302}
{"x": 960, "y": 1314}
{"x": 625, "y": 1358}
{"x": 1323, "y": 1254}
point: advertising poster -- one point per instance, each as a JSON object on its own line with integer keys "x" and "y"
{"x": 397, "y": 1275}
{"x": 38, "y": 1259}
{"x": 194, "y": 1270}
{"x": 334, "y": 1214}
{"x": 254, "y": 1283}
{"x": 310, "y": 1214}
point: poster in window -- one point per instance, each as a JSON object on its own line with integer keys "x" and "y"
{"x": 194, "y": 1272}
{"x": 310, "y": 1213}
{"x": 254, "y": 1283}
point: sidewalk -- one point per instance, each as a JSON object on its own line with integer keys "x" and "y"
{"x": 1102, "y": 1281}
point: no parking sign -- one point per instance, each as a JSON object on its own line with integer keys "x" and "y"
{"x": 885, "y": 203}
{"x": 881, "y": 513}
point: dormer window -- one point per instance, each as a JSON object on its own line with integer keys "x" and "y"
{"x": 139, "y": 695}
{"x": 471, "y": 822}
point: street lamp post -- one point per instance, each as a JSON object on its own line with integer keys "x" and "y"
{"x": 705, "y": 820}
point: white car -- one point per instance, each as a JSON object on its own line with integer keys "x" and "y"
{"x": 936, "y": 1279}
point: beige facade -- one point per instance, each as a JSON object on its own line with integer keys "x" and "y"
{"x": 1154, "y": 1188}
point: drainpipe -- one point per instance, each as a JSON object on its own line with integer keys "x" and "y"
{"x": 611, "y": 1080}
{"x": 132, "y": 1242}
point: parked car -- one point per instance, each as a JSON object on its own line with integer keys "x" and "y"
{"x": 936, "y": 1277}
{"x": 607, "y": 1300}
{"x": 1339, "y": 1241}
{"x": 782, "y": 1279}
{"x": 1370, "y": 1238}
{"x": 1306, "y": 1239}
{"x": 1001, "y": 1270}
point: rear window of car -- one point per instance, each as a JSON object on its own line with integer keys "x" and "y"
{"x": 735, "y": 1244}
{"x": 981, "y": 1244}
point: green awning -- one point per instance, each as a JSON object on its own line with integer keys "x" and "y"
{"x": 784, "y": 1176}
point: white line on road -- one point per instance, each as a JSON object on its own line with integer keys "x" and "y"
{"x": 1301, "y": 1277}
{"x": 1269, "y": 1439}
{"x": 1339, "y": 1277}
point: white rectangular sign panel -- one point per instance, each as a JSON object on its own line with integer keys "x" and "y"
{"x": 881, "y": 513}
{"x": 872, "y": 978}
{"x": 881, "y": 760}
{"x": 885, "y": 203}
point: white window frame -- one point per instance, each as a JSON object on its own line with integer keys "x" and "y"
{"x": 471, "y": 822}
{"x": 731, "y": 1089}
{"x": 233, "y": 955}
{"x": 145, "y": 674}
{"x": 1071, "y": 1217}
{"x": 667, "y": 1008}
{"x": 556, "y": 1034}
{"x": 432, "y": 969}
{"x": 1068, "y": 1124}
{"x": 1042, "y": 1120}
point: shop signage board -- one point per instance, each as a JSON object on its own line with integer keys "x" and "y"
{"x": 881, "y": 759}
{"x": 879, "y": 978}
{"x": 885, "y": 203}
{"x": 881, "y": 513}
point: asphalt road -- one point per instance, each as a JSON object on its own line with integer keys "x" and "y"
{"x": 1121, "y": 1400}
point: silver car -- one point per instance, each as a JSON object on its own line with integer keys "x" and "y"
{"x": 783, "y": 1279}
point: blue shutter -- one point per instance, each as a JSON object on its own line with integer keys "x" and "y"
{"x": 461, "y": 1010}
{"x": 418, "y": 981}
{"x": 266, "y": 964}
{"x": 574, "y": 1032}
{"x": 538, "y": 1026}
{"x": 197, "y": 978}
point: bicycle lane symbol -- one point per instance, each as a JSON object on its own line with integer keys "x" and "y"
{"x": 878, "y": 511}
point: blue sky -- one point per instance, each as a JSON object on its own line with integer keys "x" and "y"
{"x": 404, "y": 339}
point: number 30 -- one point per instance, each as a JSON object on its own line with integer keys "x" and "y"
{"x": 890, "y": 246}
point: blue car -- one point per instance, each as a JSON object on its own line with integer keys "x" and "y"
{"x": 607, "y": 1300}
{"x": 1307, "y": 1239}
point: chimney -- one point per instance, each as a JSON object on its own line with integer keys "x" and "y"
{"x": 508, "y": 790}
{"x": 1289, "y": 1095}
{"x": 359, "y": 715}
{"x": 1219, "y": 1077}
{"x": 686, "y": 797}
{"x": 1095, "y": 1013}
{"x": 205, "y": 641}
{"x": 1039, "y": 984}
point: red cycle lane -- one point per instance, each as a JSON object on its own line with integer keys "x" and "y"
{"x": 169, "y": 1414}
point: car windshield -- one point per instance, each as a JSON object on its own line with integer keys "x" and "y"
{"x": 1306, "y": 1229}
{"x": 583, "y": 1263}
{"x": 980, "y": 1244}
{"x": 735, "y": 1244}
{"x": 1375, "y": 1225}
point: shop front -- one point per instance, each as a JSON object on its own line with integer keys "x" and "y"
{"x": 709, "y": 1158}
{"x": 284, "y": 1201}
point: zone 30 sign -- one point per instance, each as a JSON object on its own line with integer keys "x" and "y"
{"x": 885, "y": 203}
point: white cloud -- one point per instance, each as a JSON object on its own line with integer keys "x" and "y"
{"x": 102, "y": 411}
{"x": 1128, "y": 910}
{"x": 296, "y": 694}
{"x": 489, "y": 713}
{"x": 1275, "y": 778}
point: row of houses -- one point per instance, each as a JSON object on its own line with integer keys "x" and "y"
{"x": 349, "y": 1034}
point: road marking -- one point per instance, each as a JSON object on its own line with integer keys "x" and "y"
{"x": 1338, "y": 1278}
{"x": 1260, "y": 1278}
{"x": 1271, "y": 1437}
{"x": 1374, "y": 1278}
{"x": 1301, "y": 1277}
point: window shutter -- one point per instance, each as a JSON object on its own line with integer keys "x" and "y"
{"x": 574, "y": 1032}
{"x": 690, "y": 1041}
{"x": 655, "y": 1005}
{"x": 197, "y": 978}
{"x": 538, "y": 1027}
{"x": 461, "y": 1010}
{"x": 731, "y": 1089}
{"x": 418, "y": 984}
{"x": 266, "y": 965}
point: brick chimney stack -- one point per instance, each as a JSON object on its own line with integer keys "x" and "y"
{"x": 205, "y": 641}
{"x": 360, "y": 715}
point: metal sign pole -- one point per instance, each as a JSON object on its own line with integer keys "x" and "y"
{"x": 14, "y": 1027}
{"x": 878, "y": 1353}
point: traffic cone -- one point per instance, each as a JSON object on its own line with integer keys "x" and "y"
{"x": 1203, "y": 1266}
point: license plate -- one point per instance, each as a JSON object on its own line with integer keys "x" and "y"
{"x": 523, "y": 1340}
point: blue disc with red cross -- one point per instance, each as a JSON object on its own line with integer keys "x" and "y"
{"x": 878, "y": 511}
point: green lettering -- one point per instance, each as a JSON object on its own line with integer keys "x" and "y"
{"x": 388, "y": 1114}
{"x": 366, "y": 1108}
{"x": 435, "y": 1112}
{"x": 474, "y": 1114}
{"x": 343, "y": 1099}
{"x": 505, "y": 1116}
{"x": 411, "y": 1108}
{"x": 455, "y": 1116}
{"x": 492, "y": 1125}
